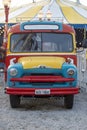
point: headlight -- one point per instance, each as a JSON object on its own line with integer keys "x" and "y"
{"x": 71, "y": 71}
{"x": 13, "y": 71}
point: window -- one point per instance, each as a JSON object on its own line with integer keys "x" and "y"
{"x": 41, "y": 42}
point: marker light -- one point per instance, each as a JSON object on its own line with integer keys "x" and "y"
{"x": 49, "y": 15}
{"x": 40, "y": 15}
{"x": 69, "y": 60}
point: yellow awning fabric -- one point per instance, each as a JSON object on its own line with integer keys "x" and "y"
{"x": 31, "y": 10}
{"x": 27, "y": 14}
{"x": 27, "y": 11}
{"x": 71, "y": 15}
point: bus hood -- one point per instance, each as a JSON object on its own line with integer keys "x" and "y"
{"x": 41, "y": 62}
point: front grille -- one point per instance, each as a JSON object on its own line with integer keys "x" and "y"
{"x": 42, "y": 74}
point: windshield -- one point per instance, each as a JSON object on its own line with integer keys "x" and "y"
{"x": 41, "y": 42}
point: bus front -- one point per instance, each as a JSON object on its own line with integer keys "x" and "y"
{"x": 41, "y": 62}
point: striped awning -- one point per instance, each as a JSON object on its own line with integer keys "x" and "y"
{"x": 75, "y": 15}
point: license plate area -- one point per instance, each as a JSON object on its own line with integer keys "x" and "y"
{"x": 42, "y": 92}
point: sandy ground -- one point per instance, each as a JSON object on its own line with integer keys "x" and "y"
{"x": 43, "y": 114}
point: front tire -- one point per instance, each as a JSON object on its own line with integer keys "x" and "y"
{"x": 14, "y": 101}
{"x": 68, "y": 101}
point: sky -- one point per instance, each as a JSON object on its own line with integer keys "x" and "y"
{"x": 21, "y": 2}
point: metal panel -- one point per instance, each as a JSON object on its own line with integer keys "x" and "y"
{"x": 82, "y": 70}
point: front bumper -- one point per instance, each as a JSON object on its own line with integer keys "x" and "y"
{"x": 32, "y": 91}
{"x": 53, "y": 86}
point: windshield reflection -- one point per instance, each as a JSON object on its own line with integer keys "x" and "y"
{"x": 41, "y": 42}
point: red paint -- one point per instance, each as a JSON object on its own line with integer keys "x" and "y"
{"x": 66, "y": 29}
{"x": 42, "y": 79}
{"x": 31, "y": 91}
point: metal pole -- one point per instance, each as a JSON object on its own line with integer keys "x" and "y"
{"x": 6, "y": 13}
{"x": 85, "y": 32}
{"x": 6, "y": 23}
{"x": 78, "y": 2}
{"x": 33, "y": 1}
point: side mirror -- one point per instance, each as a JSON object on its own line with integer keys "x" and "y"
{"x": 84, "y": 43}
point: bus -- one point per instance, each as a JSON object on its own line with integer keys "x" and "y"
{"x": 41, "y": 61}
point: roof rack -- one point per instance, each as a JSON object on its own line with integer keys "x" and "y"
{"x": 24, "y": 19}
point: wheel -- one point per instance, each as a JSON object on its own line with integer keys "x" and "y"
{"x": 14, "y": 101}
{"x": 68, "y": 101}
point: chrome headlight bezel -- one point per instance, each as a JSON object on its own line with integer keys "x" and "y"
{"x": 13, "y": 72}
{"x": 71, "y": 71}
